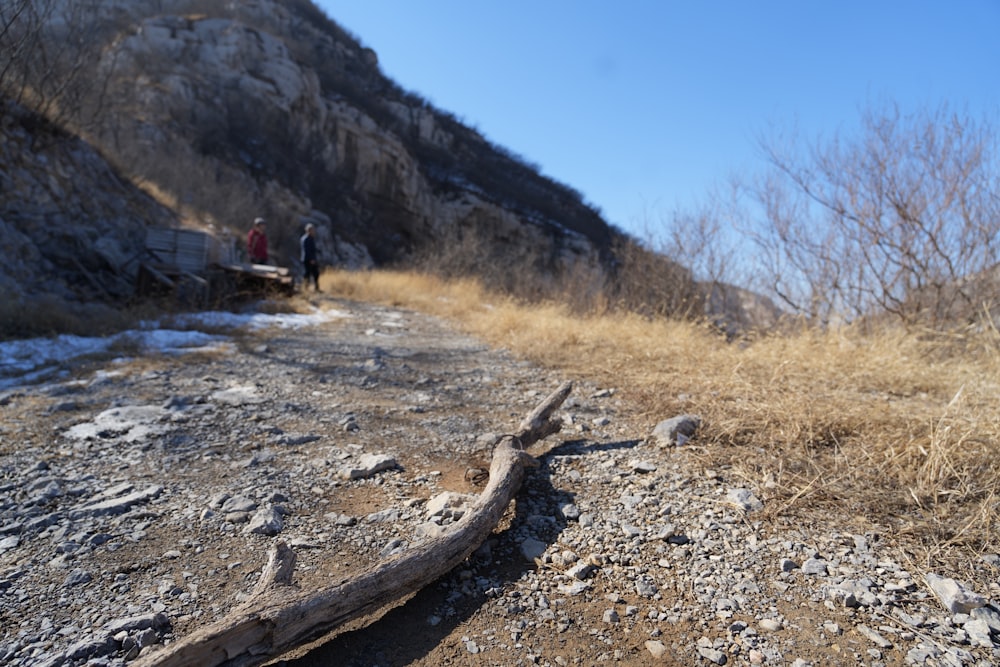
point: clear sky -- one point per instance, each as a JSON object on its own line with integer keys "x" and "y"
{"x": 644, "y": 105}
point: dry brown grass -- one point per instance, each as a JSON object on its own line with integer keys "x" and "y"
{"x": 45, "y": 315}
{"x": 893, "y": 430}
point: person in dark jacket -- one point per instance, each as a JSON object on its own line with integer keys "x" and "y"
{"x": 257, "y": 242}
{"x": 310, "y": 261}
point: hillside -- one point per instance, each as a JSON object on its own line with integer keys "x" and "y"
{"x": 207, "y": 115}
{"x": 268, "y": 109}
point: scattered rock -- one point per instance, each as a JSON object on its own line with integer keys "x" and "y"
{"x": 368, "y": 465}
{"x": 449, "y": 504}
{"x": 955, "y": 597}
{"x": 118, "y": 505}
{"x": 769, "y": 624}
{"x": 676, "y": 430}
{"x": 532, "y": 549}
{"x": 874, "y": 637}
{"x": 814, "y": 566}
{"x": 613, "y": 546}
{"x": 77, "y": 577}
{"x": 712, "y": 655}
{"x": 656, "y": 648}
{"x": 265, "y": 522}
{"x": 238, "y": 396}
{"x": 744, "y": 499}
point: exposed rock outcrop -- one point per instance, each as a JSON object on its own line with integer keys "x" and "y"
{"x": 259, "y": 108}
{"x": 294, "y": 118}
{"x": 70, "y": 225}
{"x": 208, "y": 114}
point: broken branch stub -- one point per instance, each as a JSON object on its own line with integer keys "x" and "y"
{"x": 279, "y": 617}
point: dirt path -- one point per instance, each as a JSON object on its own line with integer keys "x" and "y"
{"x": 151, "y": 489}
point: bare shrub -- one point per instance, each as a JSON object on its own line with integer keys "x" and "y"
{"x": 475, "y": 249}
{"x": 649, "y": 283}
{"x": 704, "y": 271}
{"x": 22, "y": 24}
{"x": 49, "y": 53}
{"x": 637, "y": 280}
{"x": 895, "y": 222}
{"x": 709, "y": 238}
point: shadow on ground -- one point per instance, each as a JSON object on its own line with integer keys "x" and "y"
{"x": 405, "y": 635}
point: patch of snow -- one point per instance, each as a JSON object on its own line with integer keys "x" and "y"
{"x": 28, "y": 361}
{"x": 222, "y": 319}
{"x": 135, "y": 422}
{"x": 22, "y": 356}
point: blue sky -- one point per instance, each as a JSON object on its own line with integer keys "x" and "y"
{"x": 644, "y": 105}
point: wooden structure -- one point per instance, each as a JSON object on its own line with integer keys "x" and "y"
{"x": 196, "y": 269}
{"x": 279, "y": 617}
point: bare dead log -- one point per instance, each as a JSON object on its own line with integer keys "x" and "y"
{"x": 279, "y": 617}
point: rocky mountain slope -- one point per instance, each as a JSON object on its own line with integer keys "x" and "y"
{"x": 276, "y": 102}
{"x": 70, "y": 224}
{"x": 227, "y": 111}
{"x": 208, "y": 114}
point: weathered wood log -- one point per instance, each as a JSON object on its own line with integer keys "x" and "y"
{"x": 278, "y": 617}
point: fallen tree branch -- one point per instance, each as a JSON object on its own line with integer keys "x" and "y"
{"x": 278, "y": 617}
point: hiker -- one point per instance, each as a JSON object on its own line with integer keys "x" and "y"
{"x": 310, "y": 261}
{"x": 257, "y": 242}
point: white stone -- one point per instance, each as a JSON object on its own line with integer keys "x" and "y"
{"x": 954, "y": 596}
{"x": 744, "y": 499}
{"x": 656, "y": 648}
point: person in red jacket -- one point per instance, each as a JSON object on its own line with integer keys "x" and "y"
{"x": 257, "y": 242}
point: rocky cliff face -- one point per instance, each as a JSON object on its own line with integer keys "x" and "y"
{"x": 227, "y": 111}
{"x": 293, "y": 119}
{"x": 70, "y": 225}
{"x": 207, "y": 114}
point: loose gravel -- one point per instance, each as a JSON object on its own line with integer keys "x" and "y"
{"x": 139, "y": 497}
